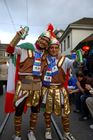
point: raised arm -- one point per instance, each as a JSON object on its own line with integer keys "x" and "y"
{"x": 19, "y": 35}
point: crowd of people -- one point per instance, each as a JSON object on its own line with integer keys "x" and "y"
{"x": 40, "y": 75}
{"x": 82, "y": 94}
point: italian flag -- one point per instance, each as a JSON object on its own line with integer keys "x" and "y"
{"x": 48, "y": 71}
{"x": 37, "y": 60}
{"x": 11, "y": 82}
{"x": 13, "y": 76}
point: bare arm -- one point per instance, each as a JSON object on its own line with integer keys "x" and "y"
{"x": 79, "y": 86}
{"x": 73, "y": 91}
{"x": 19, "y": 35}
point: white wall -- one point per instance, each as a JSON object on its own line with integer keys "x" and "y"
{"x": 76, "y": 36}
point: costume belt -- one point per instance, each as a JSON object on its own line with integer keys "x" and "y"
{"x": 55, "y": 84}
{"x": 29, "y": 78}
{"x": 30, "y": 82}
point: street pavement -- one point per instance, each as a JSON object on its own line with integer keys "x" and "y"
{"x": 9, "y": 128}
{"x": 2, "y": 114}
{"x": 80, "y": 130}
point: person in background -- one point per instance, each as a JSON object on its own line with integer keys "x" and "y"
{"x": 72, "y": 86}
{"x": 77, "y": 92}
{"x": 81, "y": 94}
{"x": 89, "y": 101}
{"x": 83, "y": 81}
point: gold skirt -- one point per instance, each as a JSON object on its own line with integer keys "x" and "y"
{"x": 55, "y": 98}
{"x": 26, "y": 91}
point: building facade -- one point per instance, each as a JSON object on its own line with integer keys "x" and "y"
{"x": 75, "y": 33}
{"x": 3, "y": 63}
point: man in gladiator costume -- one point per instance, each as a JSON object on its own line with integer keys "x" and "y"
{"x": 54, "y": 93}
{"x": 27, "y": 80}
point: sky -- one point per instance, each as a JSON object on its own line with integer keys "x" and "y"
{"x": 37, "y": 14}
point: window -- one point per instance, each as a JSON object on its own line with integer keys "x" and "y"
{"x": 68, "y": 42}
{"x": 64, "y": 45}
{"x": 2, "y": 53}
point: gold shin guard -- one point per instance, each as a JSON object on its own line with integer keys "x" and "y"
{"x": 47, "y": 120}
{"x": 17, "y": 123}
{"x": 65, "y": 123}
{"x": 33, "y": 121}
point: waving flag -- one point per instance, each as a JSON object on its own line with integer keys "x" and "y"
{"x": 10, "y": 86}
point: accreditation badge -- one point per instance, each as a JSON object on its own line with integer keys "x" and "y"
{"x": 36, "y": 68}
{"x": 47, "y": 78}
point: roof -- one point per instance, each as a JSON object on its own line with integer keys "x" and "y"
{"x": 83, "y": 21}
